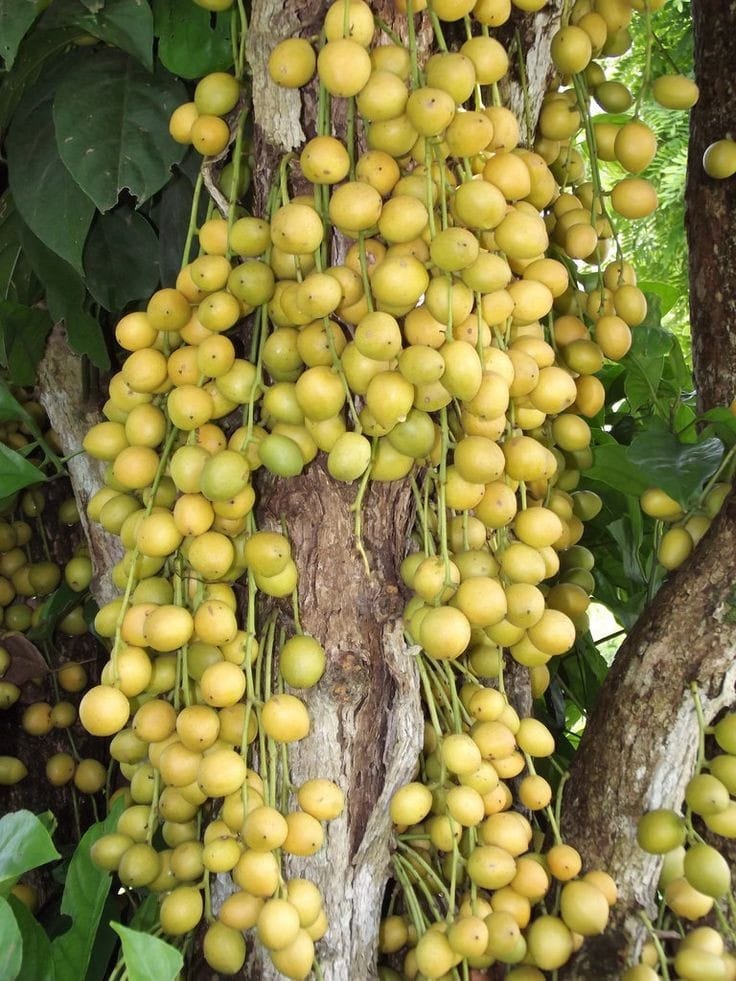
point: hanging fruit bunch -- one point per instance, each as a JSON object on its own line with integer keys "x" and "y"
{"x": 415, "y": 312}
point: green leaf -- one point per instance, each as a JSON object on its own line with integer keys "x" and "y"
{"x": 50, "y": 202}
{"x": 11, "y": 942}
{"x": 23, "y": 333}
{"x": 148, "y": 957}
{"x": 24, "y": 841}
{"x": 17, "y": 281}
{"x": 37, "y": 963}
{"x": 667, "y": 294}
{"x": 10, "y": 407}
{"x": 16, "y": 473}
{"x": 145, "y": 918}
{"x": 112, "y": 132}
{"x": 65, "y": 295}
{"x": 124, "y": 24}
{"x": 54, "y": 608}
{"x": 38, "y": 48}
{"x": 85, "y": 892}
{"x": 170, "y": 213}
{"x": 612, "y": 467}
{"x": 680, "y": 469}
{"x": 121, "y": 258}
{"x": 16, "y": 16}
{"x": 721, "y": 423}
{"x": 644, "y": 365}
{"x": 191, "y": 41}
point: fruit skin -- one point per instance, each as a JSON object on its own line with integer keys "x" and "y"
{"x": 719, "y": 159}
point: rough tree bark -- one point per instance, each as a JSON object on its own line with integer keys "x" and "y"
{"x": 632, "y": 760}
{"x": 366, "y": 712}
{"x": 711, "y": 207}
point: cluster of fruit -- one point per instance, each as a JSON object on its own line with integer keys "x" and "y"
{"x": 695, "y": 879}
{"x": 452, "y": 339}
{"x": 686, "y": 527}
{"x": 27, "y": 585}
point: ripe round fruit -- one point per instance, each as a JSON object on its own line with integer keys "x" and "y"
{"x": 285, "y": 718}
{"x": 103, "y": 710}
{"x": 410, "y": 804}
{"x": 292, "y": 62}
{"x": 224, "y": 948}
{"x": 583, "y": 908}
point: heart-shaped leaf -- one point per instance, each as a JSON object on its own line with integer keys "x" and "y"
{"x": 111, "y": 120}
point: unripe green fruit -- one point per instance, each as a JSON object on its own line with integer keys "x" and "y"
{"x": 302, "y": 661}
{"x": 725, "y": 733}
{"x": 707, "y": 870}
{"x": 660, "y": 831}
{"x": 216, "y": 94}
{"x": 705, "y": 795}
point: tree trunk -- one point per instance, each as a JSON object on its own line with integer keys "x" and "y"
{"x": 631, "y": 761}
{"x": 367, "y": 722}
{"x": 711, "y": 208}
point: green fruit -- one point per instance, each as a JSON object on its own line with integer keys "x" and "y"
{"x": 707, "y": 870}
{"x": 660, "y": 831}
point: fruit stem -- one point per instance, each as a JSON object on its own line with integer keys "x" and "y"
{"x": 153, "y": 810}
{"x": 237, "y": 162}
{"x": 701, "y": 725}
{"x": 364, "y": 271}
{"x": 240, "y": 61}
{"x": 192, "y": 229}
{"x": 437, "y": 31}
{"x": 430, "y": 871}
{"x": 524, "y": 82}
{"x": 415, "y": 910}
{"x": 415, "y": 78}
{"x": 554, "y": 818}
{"x": 661, "y": 955}
{"x": 441, "y": 505}
{"x": 646, "y": 75}
{"x": 357, "y": 507}
{"x": 429, "y": 697}
{"x": 387, "y": 30}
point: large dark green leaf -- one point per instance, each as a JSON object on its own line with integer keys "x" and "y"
{"x": 47, "y": 197}
{"x": 24, "y": 841}
{"x": 612, "y": 467}
{"x": 11, "y": 942}
{"x": 148, "y": 957}
{"x": 23, "y": 333}
{"x": 667, "y": 294}
{"x": 65, "y": 296}
{"x": 37, "y": 963}
{"x": 644, "y": 365}
{"x": 124, "y": 24}
{"x": 721, "y": 423}
{"x": 121, "y": 258}
{"x": 17, "y": 280}
{"x": 85, "y": 893}
{"x": 38, "y": 48}
{"x": 171, "y": 216}
{"x": 111, "y": 120}
{"x": 16, "y": 16}
{"x": 191, "y": 41}
{"x": 680, "y": 469}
